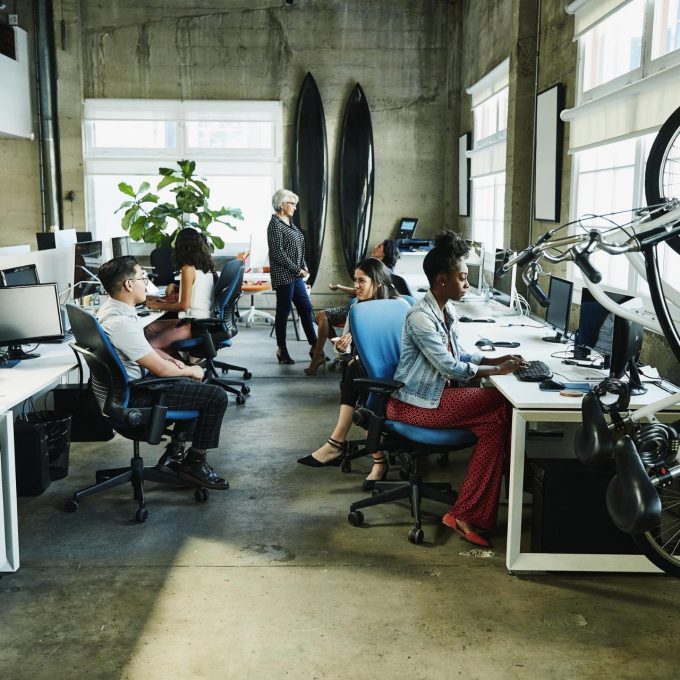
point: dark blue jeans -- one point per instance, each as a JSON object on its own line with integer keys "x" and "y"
{"x": 294, "y": 292}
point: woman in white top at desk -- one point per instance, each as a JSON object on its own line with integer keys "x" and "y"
{"x": 193, "y": 299}
{"x": 431, "y": 365}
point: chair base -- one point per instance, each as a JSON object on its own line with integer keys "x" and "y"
{"x": 415, "y": 489}
{"x": 254, "y": 313}
{"x": 136, "y": 474}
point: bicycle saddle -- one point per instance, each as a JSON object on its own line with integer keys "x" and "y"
{"x": 593, "y": 441}
{"x": 632, "y": 500}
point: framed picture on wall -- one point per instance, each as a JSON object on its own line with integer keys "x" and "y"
{"x": 464, "y": 142}
{"x": 548, "y": 154}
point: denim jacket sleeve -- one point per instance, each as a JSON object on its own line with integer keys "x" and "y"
{"x": 430, "y": 337}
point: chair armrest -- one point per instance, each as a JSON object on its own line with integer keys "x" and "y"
{"x": 155, "y": 383}
{"x": 379, "y": 385}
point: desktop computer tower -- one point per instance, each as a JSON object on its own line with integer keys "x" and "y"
{"x": 569, "y": 513}
{"x": 31, "y": 459}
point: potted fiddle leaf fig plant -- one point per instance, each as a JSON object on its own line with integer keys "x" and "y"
{"x": 148, "y": 220}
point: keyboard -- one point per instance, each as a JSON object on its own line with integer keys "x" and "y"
{"x": 536, "y": 371}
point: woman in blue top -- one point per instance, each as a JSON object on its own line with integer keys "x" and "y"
{"x": 432, "y": 365}
{"x": 288, "y": 272}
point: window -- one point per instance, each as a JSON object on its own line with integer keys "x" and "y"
{"x": 629, "y": 65}
{"x": 490, "y": 114}
{"x": 236, "y": 146}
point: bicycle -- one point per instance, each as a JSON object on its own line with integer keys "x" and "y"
{"x": 643, "y": 498}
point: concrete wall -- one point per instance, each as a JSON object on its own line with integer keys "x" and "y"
{"x": 414, "y": 61}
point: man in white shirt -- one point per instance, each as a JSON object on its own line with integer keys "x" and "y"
{"x": 125, "y": 282}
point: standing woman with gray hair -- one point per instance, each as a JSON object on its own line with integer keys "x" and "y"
{"x": 288, "y": 271}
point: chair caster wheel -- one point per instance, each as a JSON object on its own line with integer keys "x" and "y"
{"x": 416, "y": 536}
{"x": 245, "y": 389}
{"x": 240, "y": 399}
{"x": 201, "y": 494}
{"x": 356, "y": 518}
{"x": 70, "y": 505}
{"x": 403, "y": 475}
{"x": 141, "y": 515}
{"x": 346, "y": 466}
{"x": 247, "y": 375}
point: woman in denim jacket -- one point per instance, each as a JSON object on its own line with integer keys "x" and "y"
{"x": 432, "y": 366}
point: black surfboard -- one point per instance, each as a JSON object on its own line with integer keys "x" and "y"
{"x": 356, "y": 177}
{"x": 309, "y": 170}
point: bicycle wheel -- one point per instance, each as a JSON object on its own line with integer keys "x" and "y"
{"x": 661, "y": 545}
{"x": 662, "y": 174}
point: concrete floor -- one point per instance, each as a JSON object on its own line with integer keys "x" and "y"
{"x": 269, "y": 580}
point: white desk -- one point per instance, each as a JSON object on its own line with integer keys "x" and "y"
{"x": 17, "y": 384}
{"x": 532, "y": 405}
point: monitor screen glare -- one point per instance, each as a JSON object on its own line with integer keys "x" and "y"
{"x": 557, "y": 313}
{"x": 25, "y": 275}
{"x": 87, "y": 262}
{"x": 475, "y": 265}
{"x": 29, "y": 314}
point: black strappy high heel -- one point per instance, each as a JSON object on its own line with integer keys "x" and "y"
{"x": 369, "y": 484}
{"x": 336, "y": 462}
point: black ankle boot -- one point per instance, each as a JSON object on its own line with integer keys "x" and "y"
{"x": 195, "y": 468}
{"x": 283, "y": 356}
{"x": 173, "y": 455}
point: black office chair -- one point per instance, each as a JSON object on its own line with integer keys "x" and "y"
{"x": 401, "y": 285}
{"x": 111, "y": 386}
{"x": 215, "y": 333}
{"x": 163, "y": 266}
{"x": 376, "y": 333}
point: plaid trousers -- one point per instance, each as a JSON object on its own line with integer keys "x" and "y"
{"x": 187, "y": 394}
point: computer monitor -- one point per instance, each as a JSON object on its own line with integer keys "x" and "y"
{"x": 407, "y": 228}
{"x": 25, "y": 275}
{"x": 65, "y": 238}
{"x": 88, "y": 259}
{"x": 559, "y": 307}
{"x": 475, "y": 265}
{"x": 618, "y": 340}
{"x": 503, "y": 284}
{"x": 45, "y": 240}
{"x": 29, "y": 314}
{"x": 120, "y": 245}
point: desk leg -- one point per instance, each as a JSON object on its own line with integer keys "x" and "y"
{"x": 9, "y": 527}
{"x": 516, "y": 488}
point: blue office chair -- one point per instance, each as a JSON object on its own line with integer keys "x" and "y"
{"x": 164, "y": 270}
{"x": 401, "y": 285}
{"x": 111, "y": 386}
{"x": 214, "y": 334}
{"x": 376, "y": 332}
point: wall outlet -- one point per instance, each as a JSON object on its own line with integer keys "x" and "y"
{"x": 13, "y": 19}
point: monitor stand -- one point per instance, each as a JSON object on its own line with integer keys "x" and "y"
{"x": 634, "y": 382}
{"x": 557, "y": 338}
{"x": 15, "y": 352}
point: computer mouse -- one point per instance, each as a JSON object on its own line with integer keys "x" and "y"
{"x": 482, "y": 342}
{"x": 144, "y": 312}
{"x": 464, "y": 319}
{"x": 551, "y": 385}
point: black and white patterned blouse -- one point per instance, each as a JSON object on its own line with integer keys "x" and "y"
{"x": 286, "y": 251}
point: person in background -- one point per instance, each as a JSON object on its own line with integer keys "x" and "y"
{"x": 432, "y": 366}
{"x": 388, "y": 253}
{"x": 193, "y": 298}
{"x": 371, "y": 282}
{"x": 288, "y": 272}
{"x": 125, "y": 282}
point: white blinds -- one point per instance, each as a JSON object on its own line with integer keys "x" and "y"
{"x": 492, "y": 82}
{"x": 589, "y": 12}
{"x": 488, "y": 159}
{"x": 637, "y": 108}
